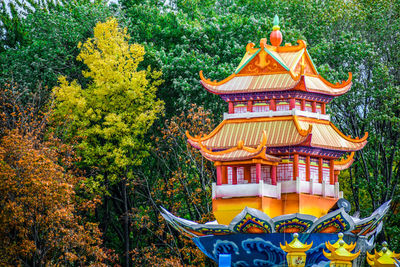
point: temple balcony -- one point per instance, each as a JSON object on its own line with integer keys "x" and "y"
{"x": 271, "y": 113}
{"x": 262, "y": 189}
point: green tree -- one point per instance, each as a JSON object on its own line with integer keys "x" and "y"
{"x": 47, "y": 47}
{"x": 110, "y": 117}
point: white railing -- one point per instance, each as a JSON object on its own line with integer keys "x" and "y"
{"x": 275, "y": 191}
{"x": 271, "y": 113}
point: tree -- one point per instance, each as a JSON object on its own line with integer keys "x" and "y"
{"x": 47, "y": 45}
{"x": 39, "y": 224}
{"x": 110, "y": 117}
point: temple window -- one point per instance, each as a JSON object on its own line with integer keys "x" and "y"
{"x": 253, "y": 174}
{"x": 240, "y": 107}
{"x": 229, "y": 174}
{"x": 285, "y": 169}
{"x": 325, "y": 171}
{"x": 282, "y": 105}
{"x": 298, "y": 104}
{"x": 240, "y": 175}
{"x": 314, "y": 169}
{"x": 302, "y": 168}
{"x": 266, "y": 174}
{"x": 261, "y": 106}
{"x": 319, "y": 108}
{"x": 308, "y": 106}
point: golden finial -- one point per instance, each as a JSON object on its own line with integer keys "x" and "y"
{"x": 385, "y": 257}
{"x": 296, "y": 256}
{"x": 340, "y": 252}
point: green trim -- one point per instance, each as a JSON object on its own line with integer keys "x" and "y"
{"x": 236, "y": 72}
{"x": 312, "y": 62}
{"x": 282, "y": 64}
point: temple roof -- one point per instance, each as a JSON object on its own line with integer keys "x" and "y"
{"x": 280, "y": 132}
{"x": 240, "y": 152}
{"x": 271, "y": 68}
{"x": 344, "y": 164}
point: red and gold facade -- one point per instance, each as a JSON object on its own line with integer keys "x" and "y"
{"x": 276, "y": 149}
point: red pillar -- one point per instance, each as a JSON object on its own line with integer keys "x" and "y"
{"x": 336, "y": 176}
{"x": 273, "y": 174}
{"x": 292, "y": 103}
{"x": 258, "y": 172}
{"x": 231, "y": 109}
{"x": 320, "y": 174}
{"x": 295, "y": 166}
{"x": 323, "y": 108}
{"x": 247, "y": 174}
{"x": 308, "y": 166}
{"x": 272, "y": 104}
{"x": 224, "y": 175}
{"x": 314, "y": 106}
{"x": 219, "y": 175}
{"x": 234, "y": 175}
{"x": 331, "y": 172}
{"x": 303, "y": 104}
{"x": 250, "y": 106}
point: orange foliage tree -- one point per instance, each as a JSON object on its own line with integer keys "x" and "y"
{"x": 39, "y": 223}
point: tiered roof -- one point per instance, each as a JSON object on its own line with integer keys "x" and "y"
{"x": 280, "y": 131}
{"x": 239, "y": 152}
{"x": 271, "y": 68}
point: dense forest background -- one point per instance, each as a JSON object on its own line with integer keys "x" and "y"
{"x": 92, "y": 117}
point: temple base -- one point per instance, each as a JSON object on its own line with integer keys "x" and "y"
{"x": 225, "y": 209}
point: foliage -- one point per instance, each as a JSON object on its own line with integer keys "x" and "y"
{"x": 41, "y": 228}
{"x": 180, "y": 180}
{"x": 110, "y": 117}
{"x": 116, "y": 109}
{"x": 182, "y": 37}
{"x": 48, "y": 47}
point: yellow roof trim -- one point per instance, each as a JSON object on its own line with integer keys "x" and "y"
{"x": 337, "y": 85}
{"x": 346, "y": 160}
{"x": 356, "y": 140}
{"x": 240, "y": 146}
{"x": 301, "y": 131}
{"x": 282, "y": 49}
{"x": 215, "y": 83}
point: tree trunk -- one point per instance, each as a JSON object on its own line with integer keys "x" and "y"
{"x": 126, "y": 224}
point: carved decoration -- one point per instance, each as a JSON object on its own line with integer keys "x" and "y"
{"x": 263, "y": 63}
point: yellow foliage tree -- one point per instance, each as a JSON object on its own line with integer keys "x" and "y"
{"x": 109, "y": 117}
{"x": 119, "y": 105}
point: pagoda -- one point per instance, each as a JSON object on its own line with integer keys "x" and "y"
{"x": 276, "y": 149}
{"x": 277, "y": 156}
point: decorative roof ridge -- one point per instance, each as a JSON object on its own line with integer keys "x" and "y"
{"x": 240, "y": 146}
{"x": 288, "y": 48}
{"x": 205, "y": 137}
{"x": 301, "y": 131}
{"x": 215, "y": 83}
{"x": 312, "y": 61}
{"x": 338, "y": 85}
{"x": 345, "y": 161}
{"x": 295, "y": 62}
{"x": 348, "y": 138}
